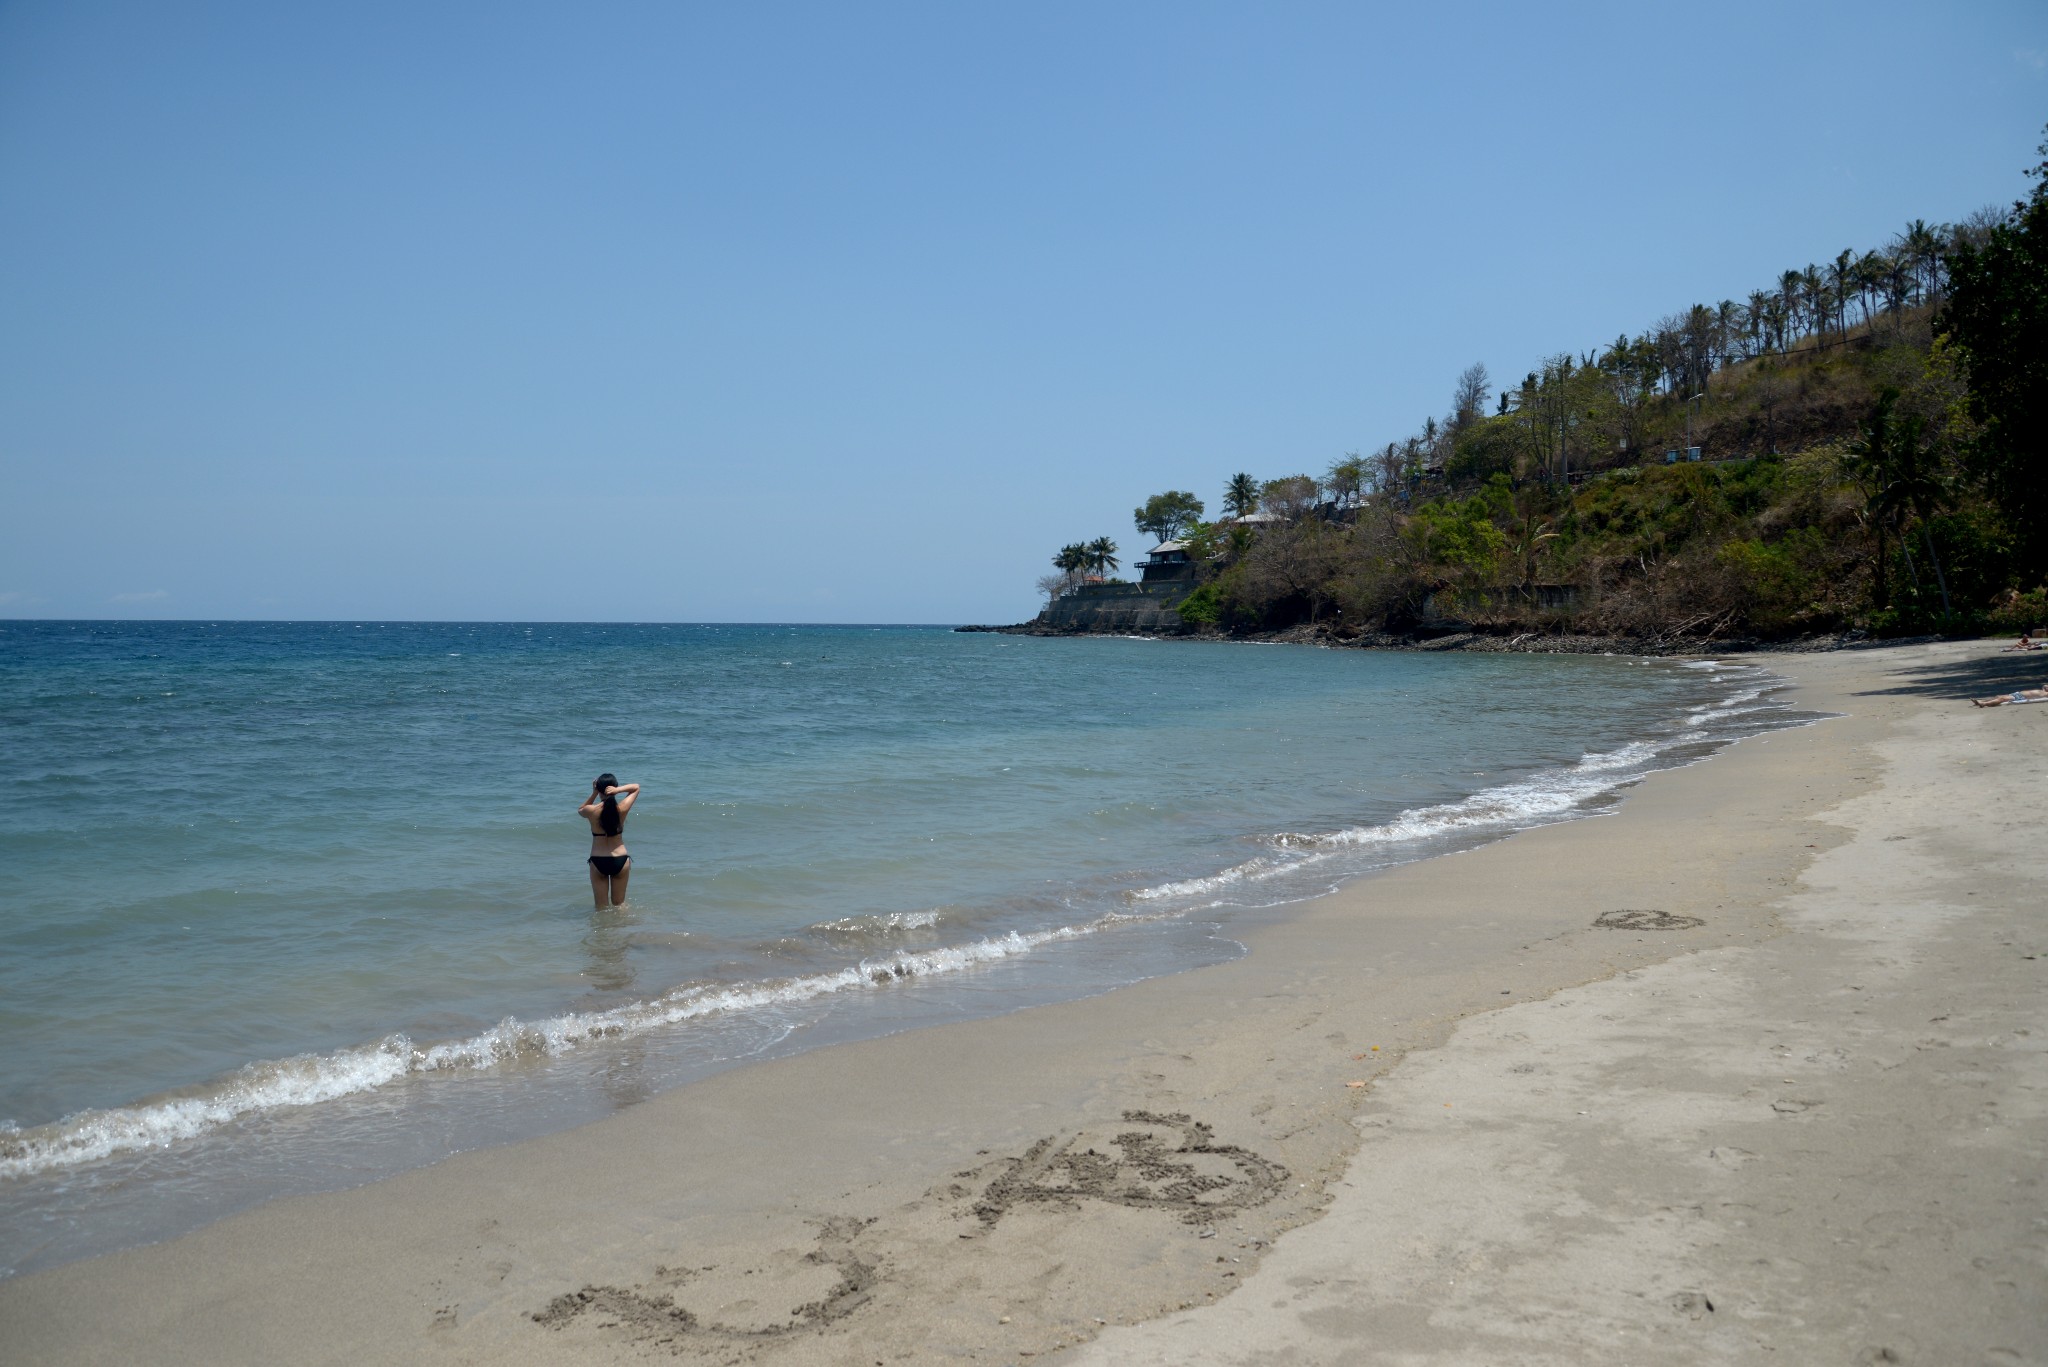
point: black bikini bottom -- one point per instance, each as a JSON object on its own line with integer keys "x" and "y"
{"x": 610, "y": 865}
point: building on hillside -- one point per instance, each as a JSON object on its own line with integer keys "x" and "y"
{"x": 1168, "y": 560}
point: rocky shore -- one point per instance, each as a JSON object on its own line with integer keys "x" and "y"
{"x": 1482, "y": 642}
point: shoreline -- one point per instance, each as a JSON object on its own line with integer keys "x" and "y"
{"x": 1479, "y": 641}
{"x": 173, "y": 1161}
{"x": 1006, "y": 1186}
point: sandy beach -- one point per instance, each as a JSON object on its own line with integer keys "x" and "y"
{"x": 1750, "y": 1070}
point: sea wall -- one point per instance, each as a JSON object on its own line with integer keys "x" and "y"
{"x": 1141, "y": 608}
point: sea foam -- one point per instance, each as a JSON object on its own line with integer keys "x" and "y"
{"x": 309, "y": 1079}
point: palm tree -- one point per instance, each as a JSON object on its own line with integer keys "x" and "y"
{"x": 1870, "y": 269}
{"x": 1241, "y": 495}
{"x": 1898, "y": 280}
{"x": 1923, "y": 250}
{"x": 1841, "y": 279}
{"x": 1756, "y": 320}
{"x": 1790, "y": 287}
{"x": 1813, "y": 290}
{"x": 1072, "y": 559}
{"x": 1101, "y": 555}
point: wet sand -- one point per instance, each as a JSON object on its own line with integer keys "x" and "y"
{"x": 1751, "y": 1069}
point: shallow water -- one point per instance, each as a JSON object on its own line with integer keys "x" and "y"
{"x": 290, "y": 906}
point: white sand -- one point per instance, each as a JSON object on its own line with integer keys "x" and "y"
{"x": 1825, "y": 1148}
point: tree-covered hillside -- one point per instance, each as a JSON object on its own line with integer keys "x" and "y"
{"x": 1859, "y": 444}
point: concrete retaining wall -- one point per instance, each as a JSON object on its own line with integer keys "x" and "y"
{"x": 1146, "y": 609}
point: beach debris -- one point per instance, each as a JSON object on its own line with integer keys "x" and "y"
{"x": 1645, "y": 919}
{"x": 1358, "y": 1083}
{"x": 1173, "y": 1163}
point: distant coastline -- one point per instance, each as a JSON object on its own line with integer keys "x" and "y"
{"x": 1850, "y": 452}
{"x": 1476, "y": 642}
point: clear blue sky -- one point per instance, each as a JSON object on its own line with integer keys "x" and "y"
{"x": 840, "y": 312}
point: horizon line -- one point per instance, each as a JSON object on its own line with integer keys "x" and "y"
{"x": 449, "y": 621}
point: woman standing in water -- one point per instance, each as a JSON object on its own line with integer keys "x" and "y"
{"x": 610, "y": 865}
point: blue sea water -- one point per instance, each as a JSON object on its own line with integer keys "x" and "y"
{"x": 287, "y": 906}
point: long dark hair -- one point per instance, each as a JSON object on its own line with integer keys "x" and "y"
{"x": 608, "y": 820}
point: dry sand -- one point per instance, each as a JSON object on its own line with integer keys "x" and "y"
{"x": 1791, "y": 1111}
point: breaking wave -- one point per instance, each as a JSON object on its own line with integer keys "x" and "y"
{"x": 1525, "y": 802}
{"x": 309, "y": 1079}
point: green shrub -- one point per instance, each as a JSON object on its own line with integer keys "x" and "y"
{"x": 1203, "y": 607}
{"x": 1779, "y": 582}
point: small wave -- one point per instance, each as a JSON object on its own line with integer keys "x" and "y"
{"x": 309, "y": 1079}
{"x": 1523, "y": 802}
{"x": 892, "y": 923}
{"x": 1627, "y": 757}
{"x": 1699, "y": 721}
{"x": 1195, "y": 887}
{"x": 1746, "y": 695}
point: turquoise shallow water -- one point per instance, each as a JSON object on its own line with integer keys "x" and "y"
{"x": 287, "y": 906}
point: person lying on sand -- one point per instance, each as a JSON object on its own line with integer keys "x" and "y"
{"x": 2018, "y": 695}
{"x": 2025, "y": 642}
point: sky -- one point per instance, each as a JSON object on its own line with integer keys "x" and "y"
{"x": 857, "y": 313}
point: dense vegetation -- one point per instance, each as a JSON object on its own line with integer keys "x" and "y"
{"x": 1860, "y": 445}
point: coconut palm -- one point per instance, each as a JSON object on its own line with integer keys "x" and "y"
{"x": 1813, "y": 291}
{"x": 1841, "y": 283}
{"x": 1241, "y": 495}
{"x": 1756, "y": 319}
{"x": 1101, "y": 555}
{"x": 1898, "y": 279}
{"x": 1923, "y": 250}
{"x": 1791, "y": 289}
{"x": 1870, "y": 273}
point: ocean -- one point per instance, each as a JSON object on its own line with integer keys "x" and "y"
{"x": 291, "y": 906}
